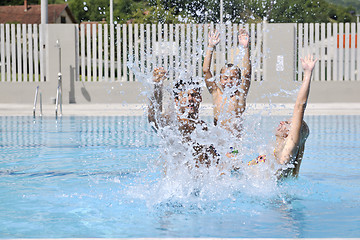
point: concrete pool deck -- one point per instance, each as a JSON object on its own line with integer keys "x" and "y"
{"x": 140, "y": 109}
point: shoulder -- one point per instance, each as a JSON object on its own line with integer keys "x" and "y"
{"x": 211, "y": 84}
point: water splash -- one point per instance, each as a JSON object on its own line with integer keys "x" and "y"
{"x": 175, "y": 180}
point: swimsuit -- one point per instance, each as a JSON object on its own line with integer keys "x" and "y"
{"x": 259, "y": 159}
{"x": 233, "y": 151}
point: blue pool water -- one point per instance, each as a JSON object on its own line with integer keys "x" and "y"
{"x": 99, "y": 177}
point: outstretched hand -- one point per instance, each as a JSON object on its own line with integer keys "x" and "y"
{"x": 308, "y": 63}
{"x": 243, "y": 38}
{"x": 159, "y": 74}
{"x": 214, "y": 38}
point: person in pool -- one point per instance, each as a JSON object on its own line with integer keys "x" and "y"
{"x": 187, "y": 99}
{"x": 291, "y": 135}
{"x": 231, "y": 106}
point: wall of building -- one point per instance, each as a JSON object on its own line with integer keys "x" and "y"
{"x": 66, "y": 16}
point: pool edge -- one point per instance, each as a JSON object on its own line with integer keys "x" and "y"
{"x": 206, "y": 109}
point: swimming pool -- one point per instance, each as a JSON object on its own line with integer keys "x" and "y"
{"x": 97, "y": 177}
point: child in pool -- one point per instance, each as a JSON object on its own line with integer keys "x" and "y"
{"x": 187, "y": 100}
{"x": 231, "y": 107}
{"x": 291, "y": 135}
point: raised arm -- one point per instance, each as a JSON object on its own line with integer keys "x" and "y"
{"x": 155, "y": 103}
{"x": 244, "y": 40}
{"x": 293, "y": 139}
{"x": 213, "y": 41}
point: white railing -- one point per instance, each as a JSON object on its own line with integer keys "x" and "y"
{"x": 106, "y": 50}
{"x": 20, "y": 53}
{"x": 37, "y": 92}
{"x": 336, "y": 45}
{"x": 58, "y": 100}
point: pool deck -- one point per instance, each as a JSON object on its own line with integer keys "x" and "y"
{"x": 140, "y": 109}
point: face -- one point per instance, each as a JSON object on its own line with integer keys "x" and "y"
{"x": 188, "y": 102}
{"x": 229, "y": 77}
{"x": 283, "y": 129}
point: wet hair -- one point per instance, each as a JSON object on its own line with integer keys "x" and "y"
{"x": 182, "y": 85}
{"x": 230, "y": 65}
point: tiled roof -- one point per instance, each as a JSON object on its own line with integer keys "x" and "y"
{"x": 17, "y": 14}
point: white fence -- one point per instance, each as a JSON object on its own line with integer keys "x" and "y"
{"x": 336, "y": 45}
{"x": 105, "y": 51}
{"x": 21, "y": 54}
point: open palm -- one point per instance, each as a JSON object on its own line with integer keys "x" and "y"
{"x": 308, "y": 63}
{"x": 243, "y": 38}
{"x": 214, "y": 38}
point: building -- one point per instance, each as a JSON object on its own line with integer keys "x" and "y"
{"x": 31, "y": 14}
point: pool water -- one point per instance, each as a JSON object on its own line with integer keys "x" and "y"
{"x": 81, "y": 177}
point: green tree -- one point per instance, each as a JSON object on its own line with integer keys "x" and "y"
{"x": 190, "y": 11}
{"x": 239, "y": 11}
{"x": 354, "y": 4}
{"x": 97, "y": 10}
{"x": 155, "y": 14}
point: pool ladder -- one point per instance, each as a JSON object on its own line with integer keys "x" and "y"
{"x": 58, "y": 101}
{"x": 35, "y": 101}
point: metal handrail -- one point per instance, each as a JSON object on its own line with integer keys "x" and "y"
{"x": 58, "y": 97}
{"x": 59, "y": 87}
{"x": 35, "y": 101}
